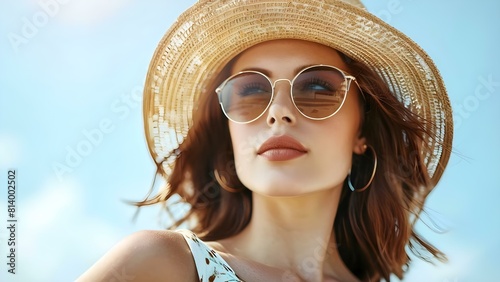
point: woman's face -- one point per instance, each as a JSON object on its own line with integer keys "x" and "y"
{"x": 283, "y": 153}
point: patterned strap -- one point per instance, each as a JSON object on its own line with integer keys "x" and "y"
{"x": 210, "y": 265}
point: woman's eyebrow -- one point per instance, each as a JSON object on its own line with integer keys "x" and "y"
{"x": 264, "y": 71}
{"x": 270, "y": 73}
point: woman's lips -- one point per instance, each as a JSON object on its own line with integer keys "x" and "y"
{"x": 281, "y": 148}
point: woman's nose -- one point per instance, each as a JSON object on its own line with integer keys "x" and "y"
{"x": 282, "y": 109}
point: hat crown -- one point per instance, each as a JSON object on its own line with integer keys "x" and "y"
{"x": 356, "y": 3}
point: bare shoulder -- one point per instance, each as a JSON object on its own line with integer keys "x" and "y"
{"x": 149, "y": 255}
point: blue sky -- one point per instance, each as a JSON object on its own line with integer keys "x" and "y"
{"x": 71, "y": 76}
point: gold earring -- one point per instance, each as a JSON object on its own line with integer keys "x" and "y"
{"x": 223, "y": 184}
{"x": 364, "y": 148}
{"x": 349, "y": 183}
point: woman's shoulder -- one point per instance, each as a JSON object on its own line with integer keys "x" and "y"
{"x": 149, "y": 255}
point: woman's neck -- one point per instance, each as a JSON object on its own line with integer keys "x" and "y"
{"x": 293, "y": 234}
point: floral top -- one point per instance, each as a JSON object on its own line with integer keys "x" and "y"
{"x": 210, "y": 265}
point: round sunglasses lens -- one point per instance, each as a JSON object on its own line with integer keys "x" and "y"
{"x": 246, "y": 96}
{"x": 319, "y": 92}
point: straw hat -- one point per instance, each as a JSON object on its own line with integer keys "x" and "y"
{"x": 210, "y": 33}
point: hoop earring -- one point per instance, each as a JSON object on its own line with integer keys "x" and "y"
{"x": 221, "y": 182}
{"x": 349, "y": 183}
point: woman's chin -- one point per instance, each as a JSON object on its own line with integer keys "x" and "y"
{"x": 280, "y": 190}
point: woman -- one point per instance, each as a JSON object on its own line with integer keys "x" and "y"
{"x": 305, "y": 135}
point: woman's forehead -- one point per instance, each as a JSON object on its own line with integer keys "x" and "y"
{"x": 289, "y": 54}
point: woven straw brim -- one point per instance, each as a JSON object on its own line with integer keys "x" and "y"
{"x": 208, "y": 35}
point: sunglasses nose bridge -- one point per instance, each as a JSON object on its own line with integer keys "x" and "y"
{"x": 280, "y": 80}
{"x": 284, "y": 99}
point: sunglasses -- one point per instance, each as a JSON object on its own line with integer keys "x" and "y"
{"x": 318, "y": 92}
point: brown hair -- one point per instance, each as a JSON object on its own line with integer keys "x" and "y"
{"x": 372, "y": 228}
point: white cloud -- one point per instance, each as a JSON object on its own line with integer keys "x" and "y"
{"x": 75, "y": 12}
{"x": 89, "y": 12}
{"x": 55, "y": 235}
{"x": 461, "y": 261}
{"x": 10, "y": 151}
